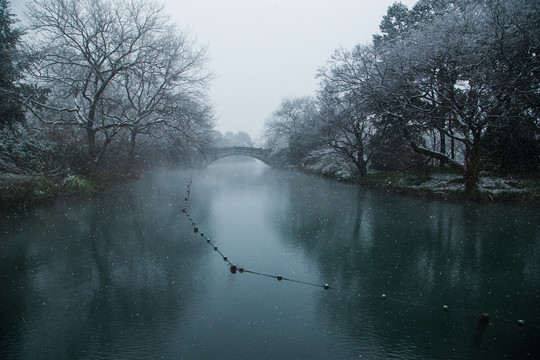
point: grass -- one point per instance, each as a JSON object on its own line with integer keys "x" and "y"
{"x": 78, "y": 184}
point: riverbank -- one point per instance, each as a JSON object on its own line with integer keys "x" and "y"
{"x": 21, "y": 193}
{"x": 436, "y": 182}
{"x": 445, "y": 184}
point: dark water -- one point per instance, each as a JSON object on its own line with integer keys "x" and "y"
{"x": 125, "y": 276}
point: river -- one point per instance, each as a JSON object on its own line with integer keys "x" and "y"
{"x": 125, "y": 275}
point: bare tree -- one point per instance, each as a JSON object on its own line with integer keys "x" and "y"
{"x": 347, "y": 127}
{"x": 189, "y": 130}
{"x": 294, "y": 126}
{"x": 83, "y": 46}
{"x": 155, "y": 87}
{"x": 345, "y": 97}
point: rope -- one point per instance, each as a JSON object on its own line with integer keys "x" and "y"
{"x": 279, "y": 277}
{"x": 233, "y": 268}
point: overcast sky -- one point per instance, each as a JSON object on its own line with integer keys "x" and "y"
{"x": 264, "y": 50}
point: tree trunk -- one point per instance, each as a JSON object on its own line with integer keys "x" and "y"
{"x": 437, "y": 155}
{"x": 471, "y": 181}
{"x": 359, "y": 161}
{"x": 132, "y": 143}
{"x": 361, "y": 165}
{"x": 96, "y": 160}
{"x": 93, "y": 152}
{"x": 91, "y": 138}
{"x": 471, "y": 168}
{"x": 442, "y": 148}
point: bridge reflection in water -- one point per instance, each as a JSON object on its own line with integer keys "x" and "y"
{"x": 261, "y": 154}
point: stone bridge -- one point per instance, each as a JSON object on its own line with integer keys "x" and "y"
{"x": 214, "y": 154}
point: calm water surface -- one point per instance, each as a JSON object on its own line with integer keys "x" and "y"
{"x": 125, "y": 276}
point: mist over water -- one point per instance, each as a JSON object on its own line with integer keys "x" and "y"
{"x": 124, "y": 275}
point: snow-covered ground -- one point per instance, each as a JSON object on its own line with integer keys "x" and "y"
{"x": 439, "y": 184}
{"x": 487, "y": 183}
{"x": 491, "y": 187}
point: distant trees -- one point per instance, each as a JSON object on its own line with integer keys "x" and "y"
{"x": 115, "y": 70}
{"x": 452, "y": 80}
{"x": 187, "y": 132}
{"x": 228, "y": 139}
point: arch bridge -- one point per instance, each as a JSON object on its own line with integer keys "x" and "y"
{"x": 261, "y": 154}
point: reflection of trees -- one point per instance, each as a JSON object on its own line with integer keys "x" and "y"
{"x": 12, "y": 287}
{"x": 147, "y": 264}
{"x": 473, "y": 257}
{"x": 114, "y": 272}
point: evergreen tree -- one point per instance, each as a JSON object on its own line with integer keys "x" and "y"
{"x": 10, "y": 72}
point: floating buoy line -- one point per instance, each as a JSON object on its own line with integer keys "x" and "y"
{"x": 234, "y": 268}
{"x": 483, "y": 318}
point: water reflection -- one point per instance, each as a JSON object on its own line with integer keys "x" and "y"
{"x": 124, "y": 275}
{"x": 422, "y": 254}
{"x": 85, "y": 280}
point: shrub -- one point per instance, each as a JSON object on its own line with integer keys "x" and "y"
{"x": 21, "y": 192}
